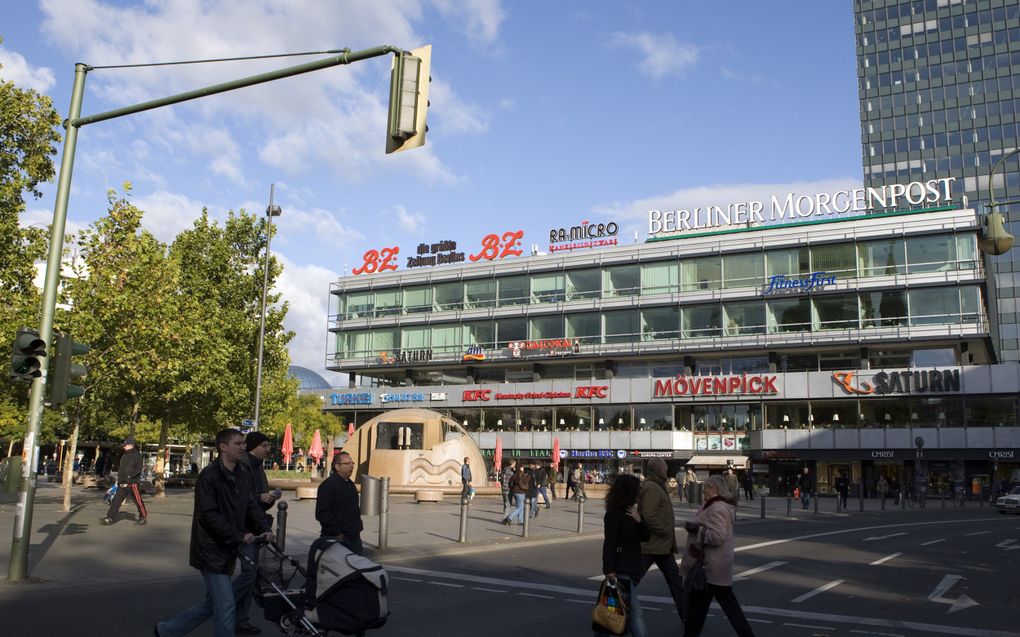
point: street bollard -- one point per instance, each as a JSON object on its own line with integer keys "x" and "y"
{"x": 464, "y": 506}
{"x": 281, "y": 524}
{"x": 839, "y": 503}
{"x": 882, "y": 498}
{"x": 384, "y": 512}
{"x": 580, "y": 515}
{"x": 789, "y": 506}
{"x": 816, "y": 503}
{"x": 527, "y": 515}
{"x": 762, "y": 506}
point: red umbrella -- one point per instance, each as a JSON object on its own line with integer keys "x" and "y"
{"x": 287, "y": 448}
{"x": 497, "y": 456}
{"x": 315, "y": 451}
{"x": 556, "y": 454}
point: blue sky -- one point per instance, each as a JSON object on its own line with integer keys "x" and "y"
{"x": 542, "y": 115}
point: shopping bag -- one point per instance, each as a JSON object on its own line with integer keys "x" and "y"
{"x": 611, "y": 610}
{"x": 696, "y": 579}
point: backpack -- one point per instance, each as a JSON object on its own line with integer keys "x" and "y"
{"x": 345, "y": 592}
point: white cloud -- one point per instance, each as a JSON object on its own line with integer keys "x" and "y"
{"x": 167, "y": 214}
{"x": 306, "y": 290}
{"x": 409, "y": 222}
{"x": 15, "y": 68}
{"x": 455, "y": 116}
{"x": 480, "y": 19}
{"x": 663, "y": 54}
{"x": 635, "y": 213}
{"x": 42, "y": 217}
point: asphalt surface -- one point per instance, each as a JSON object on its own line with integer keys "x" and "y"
{"x": 938, "y": 571}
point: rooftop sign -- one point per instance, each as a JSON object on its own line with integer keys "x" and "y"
{"x": 792, "y": 207}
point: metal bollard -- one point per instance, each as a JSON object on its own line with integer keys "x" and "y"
{"x": 762, "y": 506}
{"x": 464, "y": 506}
{"x": 527, "y": 516}
{"x": 281, "y": 524}
{"x": 789, "y": 506}
{"x": 816, "y": 503}
{"x": 384, "y": 512}
{"x": 580, "y": 515}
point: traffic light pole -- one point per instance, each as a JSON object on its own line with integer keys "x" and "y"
{"x": 17, "y": 570}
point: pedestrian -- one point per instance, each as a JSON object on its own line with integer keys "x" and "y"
{"x": 843, "y": 489}
{"x": 732, "y": 483}
{"x": 518, "y": 489}
{"x": 710, "y": 538}
{"x": 128, "y": 476}
{"x": 465, "y": 481}
{"x": 336, "y": 505}
{"x": 656, "y": 510}
{"x": 807, "y": 487}
{"x": 625, "y": 529}
{"x": 882, "y": 488}
{"x": 570, "y": 484}
{"x": 533, "y": 477}
{"x": 542, "y": 480}
{"x": 691, "y": 481}
{"x": 579, "y": 478}
{"x": 225, "y": 518}
{"x": 504, "y": 486}
{"x": 681, "y": 484}
{"x": 748, "y": 484}
{"x": 553, "y": 477}
{"x": 257, "y": 446}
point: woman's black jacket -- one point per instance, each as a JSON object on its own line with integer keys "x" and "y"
{"x": 621, "y": 550}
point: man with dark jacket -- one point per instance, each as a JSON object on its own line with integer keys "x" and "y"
{"x": 226, "y": 517}
{"x": 128, "y": 476}
{"x": 336, "y": 505}
{"x": 258, "y": 447}
{"x": 807, "y": 487}
{"x": 656, "y": 510}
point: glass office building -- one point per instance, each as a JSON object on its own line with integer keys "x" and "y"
{"x": 834, "y": 343}
{"x": 939, "y": 85}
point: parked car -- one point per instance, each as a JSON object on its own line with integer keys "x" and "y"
{"x": 1009, "y": 502}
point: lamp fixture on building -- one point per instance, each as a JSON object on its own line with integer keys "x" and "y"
{"x": 786, "y": 417}
{"x": 499, "y": 423}
{"x": 543, "y": 422}
{"x": 913, "y": 415}
{"x": 562, "y": 422}
{"x": 887, "y": 417}
{"x": 602, "y": 421}
{"x": 835, "y": 417}
{"x": 641, "y": 420}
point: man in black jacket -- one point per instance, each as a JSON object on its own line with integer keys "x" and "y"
{"x": 336, "y": 505}
{"x": 258, "y": 447}
{"x": 226, "y": 517}
{"x": 128, "y": 476}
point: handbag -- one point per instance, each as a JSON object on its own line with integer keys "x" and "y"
{"x": 696, "y": 579}
{"x": 611, "y": 610}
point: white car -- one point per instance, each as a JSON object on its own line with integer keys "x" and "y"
{"x": 1009, "y": 502}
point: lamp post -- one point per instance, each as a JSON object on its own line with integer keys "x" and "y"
{"x": 271, "y": 211}
{"x": 996, "y": 240}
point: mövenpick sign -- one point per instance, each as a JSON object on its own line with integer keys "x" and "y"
{"x": 794, "y": 207}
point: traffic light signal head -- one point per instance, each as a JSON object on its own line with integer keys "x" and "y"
{"x": 409, "y": 99}
{"x": 66, "y": 371}
{"x": 27, "y": 355}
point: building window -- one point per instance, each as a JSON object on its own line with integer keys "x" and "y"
{"x": 881, "y": 258}
{"x": 661, "y": 323}
{"x": 743, "y": 270}
{"x": 385, "y": 340}
{"x": 388, "y": 303}
{"x": 447, "y": 339}
{"x": 448, "y": 296}
{"x": 479, "y": 294}
{"x": 587, "y": 328}
{"x": 654, "y": 417}
{"x": 701, "y": 321}
{"x": 584, "y": 284}
{"x": 792, "y": 263}
{"x": 789, "y": 315}
{"x": 934, "y": 306}
{"x": 479, "y": 333}
{"x": 573, "y": 418}
{"x": 837, "y": 312}
{"x": 513, "y": 290}
{"x": 884, "y": 309}
{"x": 744, "y": 318}
{"x": 623, "y": 326}
{"x": 511, "y": 329}
{"x": 704, "y": 273}
{"x": 548, "y": 288}
{"x": 839, "y": 259}
{"x": 415, "y": 338}
{"x": 546, "y": 327}
{"x": 358, "y": 343}
{"x": 359, "y": 305}
{"x": 469, "y": 419}
{"x": 931, "y": 254}
{"x": 659, "y": 278}
{"x": 417, "y": 299}
{"x": 621, "y": 280}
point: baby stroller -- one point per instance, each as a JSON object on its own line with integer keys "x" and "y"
{"x": 346, "y": 594}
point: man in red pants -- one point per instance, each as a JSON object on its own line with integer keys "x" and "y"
{"x": 128, "y": 476}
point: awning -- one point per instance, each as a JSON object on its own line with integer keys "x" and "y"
{"x": 738, "y": 462}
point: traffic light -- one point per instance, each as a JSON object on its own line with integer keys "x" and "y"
{"x": 27, "y": 355}
{"x": 66, "y": 371}
{"x": 409, "y": 99}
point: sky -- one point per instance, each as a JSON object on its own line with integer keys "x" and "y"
{"x": 542, "y": 115}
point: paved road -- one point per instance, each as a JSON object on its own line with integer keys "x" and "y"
{"x": 933, "y": 572}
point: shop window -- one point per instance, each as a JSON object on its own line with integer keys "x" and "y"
{"x": 479, "y": 294}
{"x": 612, "y": 418}
{"x": 701, "y": 321}
{"x": 654, "y": 417}
{"x": 469, "y": 419}
{"x": 881, "y": 258}
{"x": 535, "y": 418}
{"x": 499, "y": 419}
{"x": 837, "y": 312}
{"x": 621, "y": 280}
{"x": 743, "y": 270}
{"x": 514, "y": 291}
{"x": 623, "y": 326}
{"x": 584, "y": 284}
{"x": 990, "y": 411}
{"x": 573, "y": 418}
{"x": 789, "y": 315}
{"x": 548, "y": 288}
{"x": 587, "y": 327}
{"x": 787, "y": 416}
{"x": 399, "y": 435}
{"x": 704, "y": 273}
{"x": 661, "y": 323}
{"x": 659, "y": 278}
{"x": 884, "y": 309}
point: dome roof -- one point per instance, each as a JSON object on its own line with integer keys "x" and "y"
{"x": 307, "y": 378}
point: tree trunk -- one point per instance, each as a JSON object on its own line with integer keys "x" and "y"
{"x": 69, "y": 463}
{"x": 158, "y": 482}
{"x": 10, "y": 447}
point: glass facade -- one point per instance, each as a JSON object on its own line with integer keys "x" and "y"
{"x": 939, "y": 86}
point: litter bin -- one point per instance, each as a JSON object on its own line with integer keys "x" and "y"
{"x": 10, "y": 474}
{"x": 369, "y": 495}
{"x": 695, "y": 489}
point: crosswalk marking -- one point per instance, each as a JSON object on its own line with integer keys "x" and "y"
{"x": 941, "y": 539}
{"x": 755, "y": 571}
{"x": 885, "y": 559}
{"x": 821, "y": 589}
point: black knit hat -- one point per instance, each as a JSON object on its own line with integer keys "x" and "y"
{"x": 128, "y": 441}
{"x": 254, "y": 439}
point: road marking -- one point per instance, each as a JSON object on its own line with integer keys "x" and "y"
{"x": 755, "y": 571}
{"x": 977, "y": 533}
{"x": 536, "y": 595}
{"x": 821, "y": 589}
{"x": 809, "y": 626}
{"x": 883, "y": 537}
{"x": 869, "y": 632}
{"x": 885, "y": 559}
{"x": 1009, "y": 545}
{"x": 760, "y": 621}
{"x": 487, "y": 590}
{"x": 942, "y": 539}
{"x": 447, "y": 584}
{"x": 947, "y": 583}
{"x": 853, "y": 620}
{"x": 407, "y": 579}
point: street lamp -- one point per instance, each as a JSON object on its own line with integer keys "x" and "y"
{"x": 271, "y": 211}
{"x": 996, "y": 240}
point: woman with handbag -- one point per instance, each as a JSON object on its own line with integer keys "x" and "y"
{"x": 707, "y": 565}
{"x": 621, "y": 548}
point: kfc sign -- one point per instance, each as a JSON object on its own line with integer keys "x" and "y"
{"x": 593, "y": 391}
{"x": 474, "y": 395}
